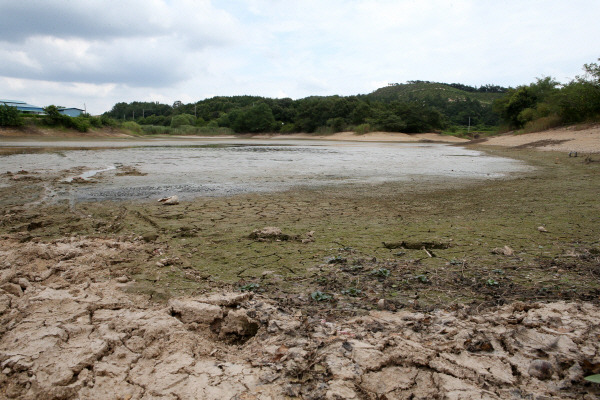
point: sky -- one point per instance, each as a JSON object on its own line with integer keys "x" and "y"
{"x": 101, "y": 52}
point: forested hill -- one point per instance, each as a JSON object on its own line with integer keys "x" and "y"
{"x": 424, "y": 90}
{"x": 412, "y": 107}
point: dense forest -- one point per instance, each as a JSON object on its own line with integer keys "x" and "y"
{"x": 412, "y": 107}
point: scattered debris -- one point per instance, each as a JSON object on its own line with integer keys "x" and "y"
{"x": 169, "y": 201}
{"x": 541, "y": 369}
{"x": 506, "y": 250}
{"x": 269, "y": 233}
{"x": 416, "y": 245}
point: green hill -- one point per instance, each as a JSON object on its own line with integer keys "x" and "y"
{"x": 421, "y": 90}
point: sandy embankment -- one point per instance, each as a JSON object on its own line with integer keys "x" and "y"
{"x": 573, "y": 138}
{"x": 579, "y": 139}
{"x": 369, "y": 137}
{"x": 582, "y": 140}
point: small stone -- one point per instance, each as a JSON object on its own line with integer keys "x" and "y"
{"x": 238, "y": 323}
{"x": 24, "y": 283}
{"x": 292, "y": 390}
{"x": 381, "y": 304}
{"x": 542, "y": 229}
{"x": 169, "y": 201}
{"x": 13, "y": 289}
{"x": 188, "y": 310}
{"x": 541, "y": 369}
{"x": 123, "y": 279}
{"x": 150, "y": 237}
{"x": 506, "y": 250}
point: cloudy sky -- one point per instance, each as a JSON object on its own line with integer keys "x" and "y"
{"x": 71, "y": 52}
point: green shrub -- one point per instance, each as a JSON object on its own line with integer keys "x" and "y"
{"x": 362, "y": 129}
{"x": 132, "y": 126}
{"x": 82, "y": 124}
{"x": 54, "y": 118}
{"x": 156, "y": 130}
{"x": 108, "y": 121}
{"x": 288, "y": 128}
{"x": 95, "y": 121}
{"x": 186, "y": 130}
{"x": 182, "y": 119}
{"x": 9, "y": 116}
{"x": 542, "y": 124}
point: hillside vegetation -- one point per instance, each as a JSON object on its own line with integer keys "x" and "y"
{"x": 412, "y": 107}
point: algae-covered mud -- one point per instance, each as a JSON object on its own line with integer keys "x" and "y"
{"x": 437, "y": 287}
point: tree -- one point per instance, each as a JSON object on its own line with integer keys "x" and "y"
{"x": 182, "y": 119}
{"x": 515, "y": 101}
{"x": 258, "y": 118}
{"x": 9, "y": 116}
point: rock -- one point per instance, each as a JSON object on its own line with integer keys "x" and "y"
{"x": 24, "y": 283}
{"x": 227, "y": 300}
{"x": 7, "y": 275}
{"x": 541, "y": 369}
{"x": 165, "y": 262}
{"x": 381, "y": 304}
{"x": 123, "y": 279}
{"x": 238, "y": 323}
{"x": 542, "y": 229}
{"x": 339, "y": 390}
{"x": 269, "y": 233}
{"x": 292, "y": 390}
{"x": 189, "y": 310}
{"x": 506, "y": 250}
{"x": 169, "y": 201}
{"x": 13, "y": 289}
{"x": 150, "y": 237}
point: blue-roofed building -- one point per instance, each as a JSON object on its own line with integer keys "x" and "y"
{"x": 30, "y": 109}
{"x": 23, "y": 106}
{"x": 71, "y": 112}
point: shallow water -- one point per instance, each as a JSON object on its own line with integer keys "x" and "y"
{"x": 192, "y": 168}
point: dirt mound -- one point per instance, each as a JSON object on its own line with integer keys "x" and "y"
{"x": 69, "y": 330}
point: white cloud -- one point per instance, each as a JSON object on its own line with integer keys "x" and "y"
{"x": 188, "y": 50}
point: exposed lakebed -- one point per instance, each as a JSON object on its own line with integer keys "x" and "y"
{"x": 125, "y": 170}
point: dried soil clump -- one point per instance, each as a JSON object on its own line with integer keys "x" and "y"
{"x": 71, "y": 332}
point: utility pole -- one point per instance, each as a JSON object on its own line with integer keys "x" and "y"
{"x": 84, "y": 109}
{"x": 469, "y": 129}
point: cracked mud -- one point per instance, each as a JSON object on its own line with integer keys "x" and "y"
{"x": 69, "y": 330}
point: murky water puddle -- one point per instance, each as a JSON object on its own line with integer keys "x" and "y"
{"x": 149, "y": 169}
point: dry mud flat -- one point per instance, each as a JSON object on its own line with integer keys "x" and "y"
{"x": 69, "y": 330}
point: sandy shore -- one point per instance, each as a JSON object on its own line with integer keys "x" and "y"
{"x": 369, "y": 137}
{"x": 582, "y": 140}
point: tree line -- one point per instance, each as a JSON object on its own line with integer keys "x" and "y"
{"x": 417, "y": 106}
{"x": 546, "y": 103}
{"x": 324, "y": 114}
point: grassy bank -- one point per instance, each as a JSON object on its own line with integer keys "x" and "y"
{"x": 415, "y": 244}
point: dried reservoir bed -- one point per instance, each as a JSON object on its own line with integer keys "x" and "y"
{"x": 433, "y": 282}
